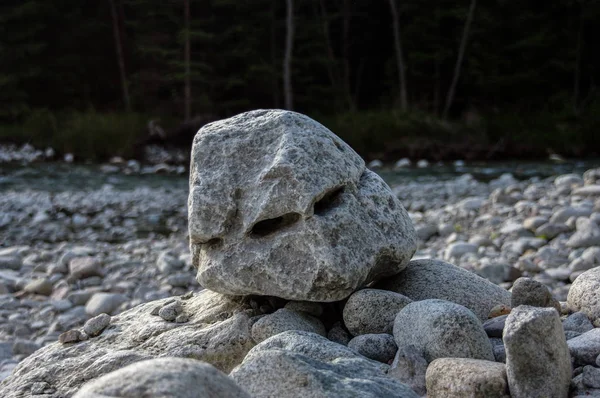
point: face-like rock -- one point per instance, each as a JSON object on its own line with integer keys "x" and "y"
{"x": 281, "y": 206}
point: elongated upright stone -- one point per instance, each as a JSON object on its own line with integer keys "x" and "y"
{"x": 538, "y": 363}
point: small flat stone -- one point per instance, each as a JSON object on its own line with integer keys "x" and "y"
{"x": 170, "y": 311}
{"x": 93, "y": 327}
{"x": 70, "y": 336}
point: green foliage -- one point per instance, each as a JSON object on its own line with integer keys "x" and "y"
{"x": 530, "y": 75}
{"x": 88, "y": 135}
{"x": 92, "y": 135}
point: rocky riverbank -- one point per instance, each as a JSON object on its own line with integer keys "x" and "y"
{"x": 68, "y": 257}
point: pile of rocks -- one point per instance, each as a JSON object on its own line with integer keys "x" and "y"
{"x": 305, "y": 255}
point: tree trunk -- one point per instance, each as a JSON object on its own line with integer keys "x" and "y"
{"x": 287, "y": 59}
{"x": 275, "y": 75}
{"x": 346, "y": 54}
{"x": 186, "y": 56}
{"x": 459, "y": 59}
{"x": 577, "y": 71}
{"x": 333, "y": 78}
{"x": 120, "y": 58}
{"x": 399, "y": 57}
{"x": 436, "y": 72}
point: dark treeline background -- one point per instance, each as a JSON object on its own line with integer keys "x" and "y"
{"x": 436, "y": 79}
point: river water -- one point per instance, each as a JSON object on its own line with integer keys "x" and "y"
{"x": 59, "y": 177}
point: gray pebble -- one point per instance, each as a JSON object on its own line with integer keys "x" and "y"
{"x": 93, "y": 327}
{"x": 170, "y": 311}
{"x": 527, "y": 291}
{"x": 39, "y": 286}
{"x": 585, "y": 348}
{"x": 70, "y": 336}
{"x": 373, "y": 311}
{"x": 379, "y": 347}
{"x": 338, "y": 334}
{"x": 499, "y": 353}
{"x": 591, "y": 377}
{"x": 577, "y": 322}
{"x": 494, "y": 327}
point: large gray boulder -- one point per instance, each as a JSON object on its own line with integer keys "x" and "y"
{"x": 218, "y": 332}
{"x": 538, "y": 363}
{"x": 435, "y": 279}
{"x": 303, "y": 364}
{"x": 280, "y": 206}
{"x": 163, "y": 378}
{"x": 441, "y": 329}
{"x": 584, "y": 295}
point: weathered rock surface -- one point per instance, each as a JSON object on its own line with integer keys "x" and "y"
{"x": 218, "y": 332}
{"x": 463, "y": 377}
{"x": 441, "y": 329}
{"x": 434, "y": 279}
{"x": 281, "y": 206}
{"x": 302, "y": 364}
{"x": 584, "y": 295}
{"x": 163, "y": 378}
{"x": 283, "y": 320}
{"x": 537, "y": 357}
{"x": 373, "y": 311}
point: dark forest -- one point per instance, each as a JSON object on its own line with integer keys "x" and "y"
{"x": 433, "y": 79}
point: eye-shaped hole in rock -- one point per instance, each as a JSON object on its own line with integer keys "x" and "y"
{"x": 211, "y": 243}
{"x": 271, "y": 225}
{"x": 329, "y": 201}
